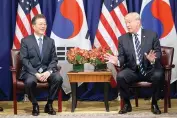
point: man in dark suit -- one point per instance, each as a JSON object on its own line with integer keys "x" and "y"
{"x": 39, "y": 61}
{"x": 139, "y": 57}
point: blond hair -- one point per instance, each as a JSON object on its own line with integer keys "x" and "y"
{"x": 133, "y": 15}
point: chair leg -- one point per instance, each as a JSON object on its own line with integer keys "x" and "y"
{"x": 59, "y": 100}
{"x": 165, "y": 99}
{"x": 121, "y": 103}
{"x": 168, "y": 97}
{"x": 121, "y": 100}
{"x": 165, "y": 104}
{"x": 15, "y": 105}
{"x": 15, "y": 98}
{"x": 169, "y": 102}
{"x": 136, "y": 97}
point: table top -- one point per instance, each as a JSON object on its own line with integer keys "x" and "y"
{"x": 98, "y": 76}
{"x": 90, "y": 73}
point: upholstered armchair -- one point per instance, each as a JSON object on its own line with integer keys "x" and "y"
{"x": 18, "y": 85}
{"x": 166, "y": 60}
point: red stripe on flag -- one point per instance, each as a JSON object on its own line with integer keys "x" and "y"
{"x": 34, "y": 10}
{"x": 117, "y": 22}
{"x": 16, "y": 42}
{"x": 123, "y": 9}
{"x": 29, "y": 20}
{"x": 21, "y": 26}
{"x": 118, "y": 25}
{"x": 109, "y": 29}
{"x": 101, "y": 39}
{"x": 23, "y": 31}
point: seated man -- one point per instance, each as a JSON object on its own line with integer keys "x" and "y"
{"x": 39, "y": 62}
{"x": 139, "y": 57}
{"x": 1, "y": 109}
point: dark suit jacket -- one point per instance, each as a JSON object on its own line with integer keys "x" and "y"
{"x": 31, "y": 59}
{"x": 127, "y": 56}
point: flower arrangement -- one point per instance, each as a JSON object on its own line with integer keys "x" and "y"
{"x": 78, "y": 56}
{"x": 97, "y": 55}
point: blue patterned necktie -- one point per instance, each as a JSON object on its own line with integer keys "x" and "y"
{"x": 140, "y": 57}
{"x": 40, "y": 46}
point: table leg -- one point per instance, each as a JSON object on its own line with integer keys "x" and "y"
{"x": 76, "y": 85}
{"x": 106, "y": 84}
{"x": 74, "y": 97}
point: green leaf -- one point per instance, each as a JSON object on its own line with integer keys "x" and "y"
{"x": 98, "y": 61}
{"x": 78, "y": 57}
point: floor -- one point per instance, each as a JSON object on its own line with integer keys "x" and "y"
{"x": 88, "y": 107}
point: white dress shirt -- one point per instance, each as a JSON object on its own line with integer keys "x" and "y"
{"x": 37, "y": 38}
{"x": 139, "y": 38}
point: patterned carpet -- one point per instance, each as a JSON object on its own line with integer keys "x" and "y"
{"x": 94, "y": 115}
{"x": 88, "y": 109}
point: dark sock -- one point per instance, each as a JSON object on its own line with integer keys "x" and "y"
{"x": 35, "y": 104}
{"x": 50, "y": 102}
{"x": 127, "y": 101}
{"x": 154, "y": 102}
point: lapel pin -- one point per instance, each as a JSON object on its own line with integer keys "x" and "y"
{"x": 144, "y": 36}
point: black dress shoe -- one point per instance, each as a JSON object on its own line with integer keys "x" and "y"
{"x": 49, "y": 109}
{"x": 1, "y": 109}
{"x": 155, "y": 109}
{"x": 126, "y": 108}
{"x": 35, "y": 111}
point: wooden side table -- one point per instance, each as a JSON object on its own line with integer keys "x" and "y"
{"x": 102, "y": 76}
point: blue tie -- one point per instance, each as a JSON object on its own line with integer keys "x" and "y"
{"x": 40, "y": 46}
{"x": 140, "y": 57}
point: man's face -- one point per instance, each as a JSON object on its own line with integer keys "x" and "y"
{"x": 132, "y": 24}
{"x": 40, "y": 26}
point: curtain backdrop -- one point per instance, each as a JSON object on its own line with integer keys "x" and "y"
{"x": 8, "y": 10}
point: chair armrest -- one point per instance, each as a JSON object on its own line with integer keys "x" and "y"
{"x": 173, "y": 65}
{"x": 58, "y": 67}
{"x": 169, "y": 67}
{"x": 13, "y": 69}
{"x": 14, "y": 75}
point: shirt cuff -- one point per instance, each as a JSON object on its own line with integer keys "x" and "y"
{"x": 118, "y": 63}
{"x": 153, "y": 62}
{"x": 50, "y": 71}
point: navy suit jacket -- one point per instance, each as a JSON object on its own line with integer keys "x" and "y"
{"x": 31, "y": 59}
{"x": 127, "y": 56}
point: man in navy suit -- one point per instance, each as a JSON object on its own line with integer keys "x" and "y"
{"x": 39, "y": 61}
{"x": 139, "y": 57}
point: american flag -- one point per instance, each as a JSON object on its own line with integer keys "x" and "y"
{"x": 110, "y": 27}
{"x": 27, "y": 9}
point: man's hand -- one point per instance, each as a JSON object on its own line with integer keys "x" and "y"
{"x": 45, "y": 76}
{"x": 151, "y": 56}
{"x": 39, "y": 76}
{"x": 111, "y": 59}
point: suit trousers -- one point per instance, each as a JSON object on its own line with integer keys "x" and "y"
{"x": 126, "y": 77}
{"x": 55, "y": 81}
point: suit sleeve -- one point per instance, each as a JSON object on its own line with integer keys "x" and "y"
{"x": 24, "y": 58}
{"x": 157, "y": 48}
{"x": 54, "y": 60}
{"x": 121, "y": 52}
